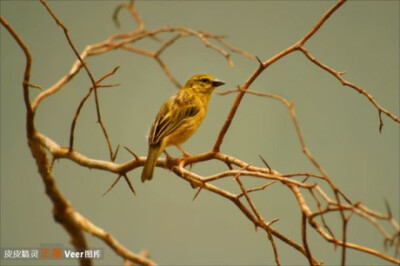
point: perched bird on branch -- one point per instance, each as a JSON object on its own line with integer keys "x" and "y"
{"x": 178, "y": 118}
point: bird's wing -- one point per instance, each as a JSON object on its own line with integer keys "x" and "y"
{"x": 169, "y": 118}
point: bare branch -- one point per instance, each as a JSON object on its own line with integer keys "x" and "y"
{"x": 94, "y": 85}
{"x": 338, "y": 75}
{"x": 27, "y": 74}
{"x": 304, "y": 238}
{"x": 113, "y": 243}
{"x": 133, "y": 12}
{"x": 321, "y": 21}
{"x": 78, "y": 110}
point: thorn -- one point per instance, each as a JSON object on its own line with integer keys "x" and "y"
{"x": 115, "y": 153}
{"x": 272, "y": 221}
{"x": 305, "y": 179}
{"x": 380, "y": 121}
{"x": 52, "y": 164}
{"x": 266, "y": 164}
{"x": 33, "y": 85}
{"x": 259, "y": 61}
{"x": 108, "y": 85}
{"x": 112, "y": 185}
{"x": 129, "y": 184}
{"x": 229, "y": 164}
{"x": 132, "y": 153}
{"x": 115, "y": 69}
{"x": 197, "y": 193}
{"x": 388, "y": 209}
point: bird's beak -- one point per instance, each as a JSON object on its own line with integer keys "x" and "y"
{"x": 217, "y": 83}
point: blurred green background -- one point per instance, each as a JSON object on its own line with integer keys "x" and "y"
{"x": 340, "y": 126}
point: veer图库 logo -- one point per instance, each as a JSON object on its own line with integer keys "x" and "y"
{"x": 54, "y": 251}
{"x": 87, "y": 254}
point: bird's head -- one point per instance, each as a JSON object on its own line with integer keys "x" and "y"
{"x": 203, "y": 83}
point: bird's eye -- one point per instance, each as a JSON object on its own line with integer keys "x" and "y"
{"x": 205, "y": 80}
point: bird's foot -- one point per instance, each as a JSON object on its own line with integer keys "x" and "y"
{"x": 168, "y": 158}
{"x": 184, "y": 157}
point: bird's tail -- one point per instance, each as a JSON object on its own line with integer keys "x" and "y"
{"x": 149, "y": 165}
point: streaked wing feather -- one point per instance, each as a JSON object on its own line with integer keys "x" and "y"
{"x": 167, "y": 122}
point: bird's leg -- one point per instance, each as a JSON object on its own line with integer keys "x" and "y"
{"x": 169, "y": 157}
{"x": 184, "y": 156}
{"x": 185, "y": 153}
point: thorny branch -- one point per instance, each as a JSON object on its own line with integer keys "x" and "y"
{"x": 298, "y": 183}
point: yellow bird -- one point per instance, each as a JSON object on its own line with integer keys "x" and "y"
{"x": 178, "y": 118}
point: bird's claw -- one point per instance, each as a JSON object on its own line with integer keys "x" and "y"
{"x": 183, "y": 158}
